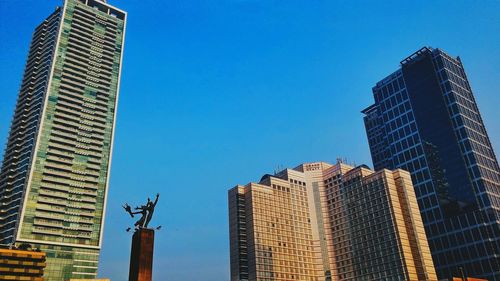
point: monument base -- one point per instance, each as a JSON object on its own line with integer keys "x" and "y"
{"x": 141, "y": 256}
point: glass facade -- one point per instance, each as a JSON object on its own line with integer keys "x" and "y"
{"x": 425, "y": 120}
{"x": 328, "y": 222}
{"x": 55, "y": 187}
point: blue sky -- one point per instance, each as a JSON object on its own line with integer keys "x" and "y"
{"x": 217, "y": 93}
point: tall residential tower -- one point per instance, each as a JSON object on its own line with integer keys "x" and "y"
{"x": 55, "y": 171}
{"x": 425, "y": 120}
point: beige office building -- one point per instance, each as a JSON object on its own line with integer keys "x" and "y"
{"x": 328, "y": 222}
{"x": 21, "y": 264}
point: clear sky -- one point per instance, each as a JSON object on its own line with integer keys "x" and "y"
{"x": 216, "y": 93}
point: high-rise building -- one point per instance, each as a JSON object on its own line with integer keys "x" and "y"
{"x": 55, "y": 171}
{"x": 271, "y": 232}
{"x": 328, "y": 222}
{"x": 425, "y": 120}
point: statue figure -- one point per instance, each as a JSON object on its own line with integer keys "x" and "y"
{"x": 146, "y": 212}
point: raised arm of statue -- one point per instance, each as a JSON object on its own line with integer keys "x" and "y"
{"x": 156, "y": 200}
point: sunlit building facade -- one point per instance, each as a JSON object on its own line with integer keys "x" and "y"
{"x": 328, "y": 222}
{"x": 25, "y": 264}
{"x": 277, "y": 243}
{"x": 425, "y": 120}
{"x": 55, "y": 171}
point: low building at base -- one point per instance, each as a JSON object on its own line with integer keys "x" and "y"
{"x": 464, "y": 279}
{"x": 89, "y": 279}
{"x": 16, "y": 264}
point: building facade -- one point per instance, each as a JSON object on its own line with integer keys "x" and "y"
{"x": 425, "y": 120}
{"x": 55, "y": 171}
{"x": 274, "y": 233}
{"x": 328, "y": 222}
{"x": 89, "y": 279}
{"x": 16, "y": 264}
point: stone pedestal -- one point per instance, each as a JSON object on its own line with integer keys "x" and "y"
{"x": 141, "y": 256}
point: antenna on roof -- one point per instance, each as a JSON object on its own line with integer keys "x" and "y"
{"x": 344, "y": 160}
{"x": 278, "y": 169}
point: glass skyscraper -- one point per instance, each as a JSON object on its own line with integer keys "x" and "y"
{"x": 55, "y": 171}
{"x": 425, "y": 120}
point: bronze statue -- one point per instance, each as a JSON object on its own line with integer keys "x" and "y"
{"x": 146, "y": 212}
